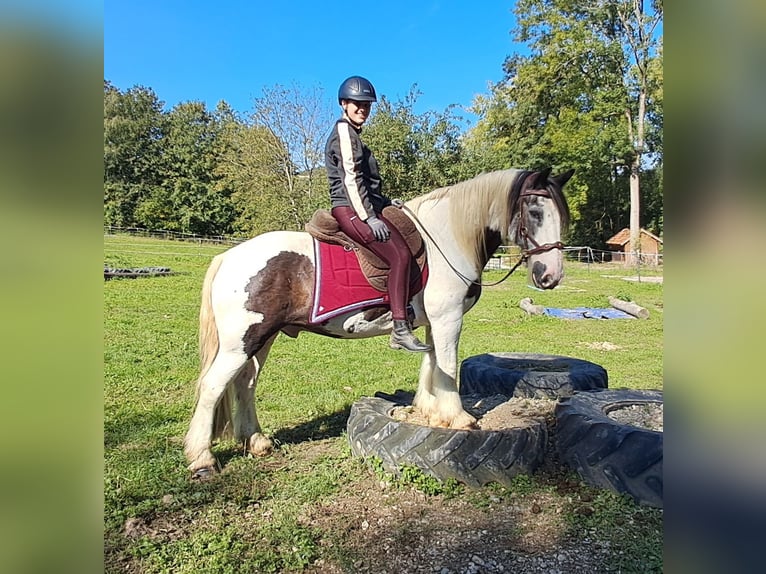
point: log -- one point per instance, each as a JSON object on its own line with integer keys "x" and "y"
{"x": 629, "y": 307}
{"x": 530, "y": 308}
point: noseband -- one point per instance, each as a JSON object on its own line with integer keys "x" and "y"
{"x": 523, "y": 237}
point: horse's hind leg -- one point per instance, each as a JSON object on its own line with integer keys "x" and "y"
{"x": 247, "y": 429}
{"x": 211, "y": 389}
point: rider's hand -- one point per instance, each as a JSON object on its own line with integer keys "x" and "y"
{"x": 379, "y": 228}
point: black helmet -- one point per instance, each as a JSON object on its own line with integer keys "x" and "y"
{"x": 357, "y": 88}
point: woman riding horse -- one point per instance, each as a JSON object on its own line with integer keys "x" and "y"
{"x": 357, "y": 203}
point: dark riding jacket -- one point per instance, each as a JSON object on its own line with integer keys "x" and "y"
{"x": 352, "y": 171}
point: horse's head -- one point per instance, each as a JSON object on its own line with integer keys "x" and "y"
{"x": 540, "y": 215}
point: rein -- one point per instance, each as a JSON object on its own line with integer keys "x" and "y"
{"x": 522, "y": 233}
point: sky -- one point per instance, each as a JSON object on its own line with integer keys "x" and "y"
{"x": 232, "y": 49}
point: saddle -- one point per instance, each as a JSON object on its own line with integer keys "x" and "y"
{"x": 324, "y": 227}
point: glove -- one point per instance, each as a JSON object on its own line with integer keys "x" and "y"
{"x": 379, "y": 229}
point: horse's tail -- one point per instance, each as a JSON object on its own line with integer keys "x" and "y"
{"x": 208, "y": 350}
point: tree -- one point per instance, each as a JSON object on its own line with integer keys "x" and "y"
{"x": 189, "y": 200}
{"x": 416, "y": 152}
{"x": 133, "y": 132}
{"x": 576, "y": 101}
{"x": 298, "y": 120}
{"x": 251, "y": 167}
{"x": 637, "y": 29}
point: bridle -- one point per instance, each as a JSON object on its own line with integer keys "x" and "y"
{"x": 522, "y": 237}
{"x": 522, "y": 233}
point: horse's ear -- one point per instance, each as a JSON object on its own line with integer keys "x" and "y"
{"x": 541, "y": 181}
{"x": 562, "y": 178}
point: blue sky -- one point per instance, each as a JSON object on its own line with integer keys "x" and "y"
{"x": 230, "y": 50}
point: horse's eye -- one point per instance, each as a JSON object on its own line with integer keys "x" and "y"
{"x": 536, "y": 215}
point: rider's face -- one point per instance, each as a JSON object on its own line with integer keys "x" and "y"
{"x": 357, "y": 112}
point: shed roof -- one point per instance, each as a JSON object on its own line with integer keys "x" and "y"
{"x": 623, "y": 236}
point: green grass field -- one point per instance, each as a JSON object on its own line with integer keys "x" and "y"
{"x": 157, "y": 520}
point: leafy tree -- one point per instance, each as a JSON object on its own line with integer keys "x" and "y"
{"x": 189, "y": 201}
{"x": 416, "y": 152}
{"x": 251, "y": 167}
{"x": 134, "y": 126}
{"x": 582, "y": 98}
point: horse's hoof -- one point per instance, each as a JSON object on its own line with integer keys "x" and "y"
{"x": 438, "y": 422}
{"x": 260, "y": 445}
{"x": 471, "y": 426}
{"x": 464, "y": 422}
{"x": 203, "y": 473}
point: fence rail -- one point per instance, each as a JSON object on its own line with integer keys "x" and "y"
{"x": 506, "y": 256}
{"x": 173, "y": 235}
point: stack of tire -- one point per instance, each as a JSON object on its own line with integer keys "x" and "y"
{"x": 134, "y": 272}
{"x": 604, "y": 452}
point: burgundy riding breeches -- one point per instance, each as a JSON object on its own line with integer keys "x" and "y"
{"x": 395, "y": 252}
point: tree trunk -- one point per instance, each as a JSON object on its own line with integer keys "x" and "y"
{"x": 634, "y": 254}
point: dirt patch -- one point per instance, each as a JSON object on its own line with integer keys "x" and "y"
{"x": 387, "y": 529}
{"x": 636, "y": 278}
{"x": 603, "y": 346}
{"x": 383, "y": 528}
{"x": 645, "y": 415}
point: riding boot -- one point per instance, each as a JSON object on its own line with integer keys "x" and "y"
{"x": 403, "y": 338}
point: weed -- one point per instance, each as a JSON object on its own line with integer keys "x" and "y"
{"x": 427, "y": 484}
{"x": 376, "y": 465}
{"x": 523, "y": 484}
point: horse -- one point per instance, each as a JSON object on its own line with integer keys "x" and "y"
{"x": 264, "y": 286}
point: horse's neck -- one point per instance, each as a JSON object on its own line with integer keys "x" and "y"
{"x": 436, "y": 218}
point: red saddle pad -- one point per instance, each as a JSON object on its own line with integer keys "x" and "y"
{"x": 339, "y": 284}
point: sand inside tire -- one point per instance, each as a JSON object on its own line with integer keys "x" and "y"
{"x": 495, "y": 412}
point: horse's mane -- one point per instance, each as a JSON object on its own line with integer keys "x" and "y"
{"x": 483, "y": 202}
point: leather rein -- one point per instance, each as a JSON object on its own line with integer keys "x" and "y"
{"x": 522, "y": 235}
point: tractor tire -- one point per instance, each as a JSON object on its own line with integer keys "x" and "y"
{"x": 473, "y": 457}
{"x": 606, "y": 453}
{"x": 529, "y": 375}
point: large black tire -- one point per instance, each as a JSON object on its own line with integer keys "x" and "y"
{"x": 473, "y": 457}
{"x": 529, "y": 375}
{"x": 606, "y": 453}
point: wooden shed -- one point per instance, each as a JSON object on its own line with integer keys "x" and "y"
{"x": 651, "y": 246}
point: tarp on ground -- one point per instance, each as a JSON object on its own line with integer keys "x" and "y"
{"x": 587, "y": 313}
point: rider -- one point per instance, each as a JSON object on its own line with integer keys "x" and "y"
{"x": 357, "y": 203}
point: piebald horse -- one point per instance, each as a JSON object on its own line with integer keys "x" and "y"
{"x": 264, "y": 287}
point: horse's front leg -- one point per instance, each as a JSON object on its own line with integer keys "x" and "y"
{"x": 437, "y": 396}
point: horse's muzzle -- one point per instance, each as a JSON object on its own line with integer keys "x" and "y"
{"x": 544, "y": 277}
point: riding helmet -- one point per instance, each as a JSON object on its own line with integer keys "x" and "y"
{"x": 357, "y": 88}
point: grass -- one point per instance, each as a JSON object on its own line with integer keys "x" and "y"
{"x": 265, "y": 515}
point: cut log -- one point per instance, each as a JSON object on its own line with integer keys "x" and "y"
{"x": 530, "y": 308}
{"x": 629, "y": 307}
